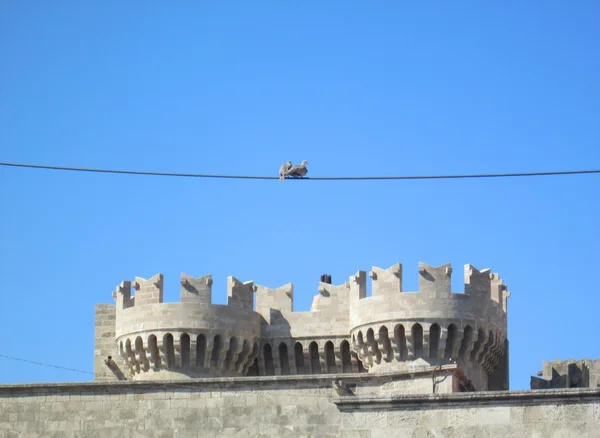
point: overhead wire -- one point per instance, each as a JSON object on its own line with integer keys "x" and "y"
{"x": 220, "y": 176}
{"x": 44, "y": 364}
{"x": 312, "y": 178}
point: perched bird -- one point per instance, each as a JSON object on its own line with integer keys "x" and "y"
{"x": 298, "y": 171}
{"x": 284, "y": 169}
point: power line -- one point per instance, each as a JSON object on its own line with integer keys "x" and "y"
{"x": 314, "y": 178}
{"x": 45, "y": 364}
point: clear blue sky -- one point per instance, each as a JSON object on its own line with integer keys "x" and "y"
{"x": 355, "y": 88}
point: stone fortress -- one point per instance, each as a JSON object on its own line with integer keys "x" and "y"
{"x": 389, "y": 364}
{"x": 344, "y": 332}
{"x": 570, "y": 373}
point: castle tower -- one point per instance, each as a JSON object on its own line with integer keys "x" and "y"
{"x": 142, "y": 338}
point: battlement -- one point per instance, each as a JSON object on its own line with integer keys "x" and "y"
{"x": 344, "y": 329}
{"x": 570, "y": 373}
{"x": 240, "y": 294}
{"x": 280, "y": 299}
{"x": 435, "y": 282}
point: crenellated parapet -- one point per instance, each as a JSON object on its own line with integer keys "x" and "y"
{"x": 484, "y": 296}
{"x": 392, "y": 328}
{"x": 570, "y": 373}
{"x": 344, "y": 331}
{"x": 192, "y": 337}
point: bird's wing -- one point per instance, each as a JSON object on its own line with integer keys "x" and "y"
{"x": 293, "y": 170}
{"x": 285, "y": 167}
{"x": 299, "y": 170}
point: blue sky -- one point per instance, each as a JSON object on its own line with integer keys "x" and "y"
{"x": 355, "y": 88}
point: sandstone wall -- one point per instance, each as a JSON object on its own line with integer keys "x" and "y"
{"x": 308, "y": 406}
{"x": 344, "y": 332}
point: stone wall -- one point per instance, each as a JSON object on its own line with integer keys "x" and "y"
{"x": 104, "y": 344}
{"x": 570, "y": 373}
{"x": 344, "y": 332}
{"x": 358, "y": 405}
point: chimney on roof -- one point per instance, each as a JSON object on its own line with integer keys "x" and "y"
{"x": 326, "y": 278}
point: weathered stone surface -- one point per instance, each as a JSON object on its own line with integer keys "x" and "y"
{"x": 571, "y": 373}
{"x": 396, "y": 363}
{"x": 289, "y": 406}
{"x": 345, "y": 331}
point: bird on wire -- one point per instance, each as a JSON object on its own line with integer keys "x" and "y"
{"x": 297, "y": 171}
{"x": 284, "y": 169}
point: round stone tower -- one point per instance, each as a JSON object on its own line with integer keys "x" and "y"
{"x": 345, "y": 331}
{"x": 192, "y": 338}
{"x": 395, "y": 330}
